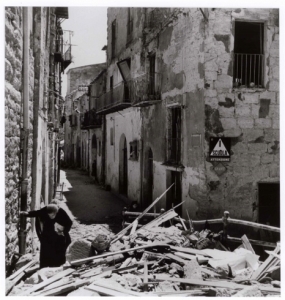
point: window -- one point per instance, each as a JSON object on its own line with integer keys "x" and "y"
{"x": 112, "y": 136}
{"x": 152, "y": 74}
{"x": 174, "y": 135}
{"x": 248, "y": 54}
{"x": 134, "y": 150}
{"x": 129, "y": 26}
{"x": 125, "y": 70}
{"x": 114, "y": 37}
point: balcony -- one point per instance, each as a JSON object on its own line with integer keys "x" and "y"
{"x": 60, "y": 56}
{"x": 145, "y": 90}
{"x": 248, "y": 70}
{"x": 91, "y": 120}
{"x": 114, "y": 100}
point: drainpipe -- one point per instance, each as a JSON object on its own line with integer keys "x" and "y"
{"x": 25, "y": 131}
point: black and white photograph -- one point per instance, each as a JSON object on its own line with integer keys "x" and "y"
{"x": 141, "y": 146}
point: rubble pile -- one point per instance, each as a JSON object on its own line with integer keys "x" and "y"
{"x": 154, "y": 260}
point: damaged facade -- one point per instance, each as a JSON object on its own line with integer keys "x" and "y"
{"x": 35, "y": 57}
{"x": 178, "y": 76}
{"x": 83, "y": 133}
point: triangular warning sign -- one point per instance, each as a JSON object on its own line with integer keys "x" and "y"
{"x": 220, "y": 149}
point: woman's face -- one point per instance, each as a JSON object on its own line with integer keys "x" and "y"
{"x": 52, "y": 215}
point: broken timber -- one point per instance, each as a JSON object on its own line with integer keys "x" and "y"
{"x": 124, "y": 231}
{"x": 84, "y": 260}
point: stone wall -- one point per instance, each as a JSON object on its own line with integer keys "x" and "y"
{"x": 13, "y": 121}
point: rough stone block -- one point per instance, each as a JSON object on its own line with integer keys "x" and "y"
{"x": 78, "y": 249}
{"x": 274, "y": 111}
{"x": 257, "y": 148}
{"x": 240, "y": 148}
{"x": 276, "y": 158}
{"x": 262, "y": 123}
{"x": 251, "y": 135}
{"x": 241, "y": 170}
{"x": 260, "y": 172}
{"x": 254, "y": 160}
{"x": 226, "y": 112}
{"x": 268, "y": 95}
{"x": 211, "y": 75}
{"x": 275, "y": 123}
{"x": 223, "y": 82}
{"x": 243, "y": 111}
{"x": 255, "y": 110}
{"x": 274, "y": 85}
{"x": 213, "y": 102}
{"x": 266, "y": 158}
{"x": 251, "y": 98}
{"x": 234, "y": 132}
{"x": 271, "y": 135}
{"x": 211, "y": 66}
{"x": 228, "y": 123}
{"x": 244, "y": 122}
{"x": 274, "y": 170}
{"x": 210, "y": 93}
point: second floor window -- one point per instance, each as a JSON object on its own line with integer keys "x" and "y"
{"x": 249, "y": 55}
{"x": 114, "y": 38}
{"x": 152, "y": 74}
{"x": 129, "y": 25}
{"x": 174, "y": 135}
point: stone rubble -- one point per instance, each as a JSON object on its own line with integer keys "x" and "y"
{"x": 161, "y": 261}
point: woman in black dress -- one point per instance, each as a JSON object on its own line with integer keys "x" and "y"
{"x": 52, "y": 226}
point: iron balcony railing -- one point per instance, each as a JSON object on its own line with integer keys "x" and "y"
{"x": 140, "y": 91}
{"x": 145, "y": 89}
{"x": 115, "y": 99}
{"x": 248, "y": 70}
{"x": 91, "y": 119}
{"x": 67, "y": 54}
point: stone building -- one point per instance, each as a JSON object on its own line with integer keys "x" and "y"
{"x": 177, "y": 77}
{"x": 35, "y": 57}
{"x": 81, "y": 118}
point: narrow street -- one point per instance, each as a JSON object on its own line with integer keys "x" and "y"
{"x": 88, "y": 202}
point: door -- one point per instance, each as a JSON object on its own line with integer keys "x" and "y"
{"x": 269, "y": 203}
{"x": 148, "y": 178}
{"x": 123, "y": 166}
{"x": 174, "y": 195}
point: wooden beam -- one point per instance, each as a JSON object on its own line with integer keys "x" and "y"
{"x": 183, "y": 224}
{"x": 28, "y": 265}
{"x": 134, "y": 228}
{"x": 176, "y": 258}
{"x": 247, "y": 244}
{"x": 124, "y": 231}
{"x": 84, "y": 260}
{"x": 218, "y": 284}
{"x": 145, "y": 278}
{"x": 45, "y": 283}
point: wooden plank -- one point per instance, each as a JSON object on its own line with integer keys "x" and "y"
{"x": 218, "y": 284}
{"x": 185, "y": 255}
{"x": 112, "y": 289}
{"x": 124, "y": 231}
{"x": 265, "y": 264}
{"x": 176, "y": 258}
{"x": 43, "y": 284}
{"x": 168, "y": 215}
{"x": 84, "y": 260}
{"x": 247, "y": 244}
{"x": 189, "y": 251}
{"x": 65, "y": 288}
{"x": 153, "y": 215}
{"x": 183, "y": 224}
{"x": 11, "y": 283}
{"x": 134, "y": 228}
{"x": 28, "y": 265}
{"x": 190, "y": 222}
{"x": 145, "y": 278}
{"x": 273, "y": 254}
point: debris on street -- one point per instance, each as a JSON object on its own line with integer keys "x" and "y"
{"x": 154, "y": 260}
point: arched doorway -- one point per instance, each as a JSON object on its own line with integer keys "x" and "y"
{"x": 94, "y": 156}
{"x": 148, "y": 178}
{"x": 123, "y": 166}
{"x": 78, "y": 153}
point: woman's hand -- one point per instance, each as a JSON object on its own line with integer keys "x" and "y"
{"x": 24, "y": 213}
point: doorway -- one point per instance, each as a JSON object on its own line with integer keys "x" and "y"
{"x": 269, "y": 203}
{"x": 94, "y": 156}
{"x": 174, "y": 195}
{"x": 148, "y": 178}
{"x": 123, "y": 166}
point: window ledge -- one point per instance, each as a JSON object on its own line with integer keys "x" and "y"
{"x": 248, "y": 90}
{"x": 173, "y": 166}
